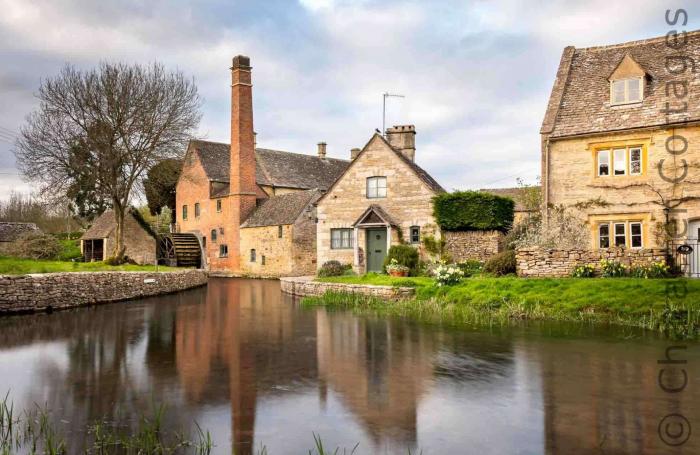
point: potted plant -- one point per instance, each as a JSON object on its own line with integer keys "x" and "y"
{"x": 396, "y": 269}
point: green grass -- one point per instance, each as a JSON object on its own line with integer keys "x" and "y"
{"x": 16, "y": 266}
{"x": 70, "y": 249}
{"x": 648, "y": 303}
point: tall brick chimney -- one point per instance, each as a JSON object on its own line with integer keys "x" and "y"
{"x": 403, "y": 138}
{"x": 242, "y": 172}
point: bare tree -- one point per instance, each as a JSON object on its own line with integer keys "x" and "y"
{"x": 123, "y": 118}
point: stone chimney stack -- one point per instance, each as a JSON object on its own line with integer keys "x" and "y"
{"x": 403, "y": 138}
{"x": 322, "y": 150}
{"x": 354, "y": 152}
{"x": 242, "y": 173}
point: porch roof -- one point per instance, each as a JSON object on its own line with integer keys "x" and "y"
{"x": 375, "y": 215}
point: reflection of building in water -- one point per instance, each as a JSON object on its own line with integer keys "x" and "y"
{"x": 242, "y": 331}
{"x": 604, "y": 398}
{"x": 379, "y": 368}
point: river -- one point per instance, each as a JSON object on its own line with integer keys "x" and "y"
{"x": 257, "y": 369}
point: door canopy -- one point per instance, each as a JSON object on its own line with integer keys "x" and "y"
{"x": 374, "y": 216}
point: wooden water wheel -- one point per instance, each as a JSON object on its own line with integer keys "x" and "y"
{"x": 181, "y": 250}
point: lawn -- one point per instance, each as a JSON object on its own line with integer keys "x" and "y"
{"x": 629, "y": 301}
{"x": 16, "y": 266}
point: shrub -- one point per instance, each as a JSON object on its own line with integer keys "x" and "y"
{"x": 447, "y": 275}
{"x": 405, "y": 255}
{"x": 470, "y": 267}
{"x": 70, "y": 250}
{"x": 473, "y": 211}
{"x": 333, "y": 268}
{"x": 36, "y": 245}
{"x": 654, "y": 270}
{"x": 612, "y": 269}
{"x": 501, "y": 264}
{"x": 394, "y": 266}
{"x": 435, "y": 247}
{"x": 561, "y": 230}
{"x": 583, "y": 271}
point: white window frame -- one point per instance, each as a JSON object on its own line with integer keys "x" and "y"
{"x": 343, "y": 240}
{"x": 615, "y": 161}
{"x": 598, "y": 162}
{"x": 615, "y": 234}
{"x": 641, "y": 234}
{"x": 374, "y": 189}
{"x": 626, "y": 92}
{"x": 600, "y": 225}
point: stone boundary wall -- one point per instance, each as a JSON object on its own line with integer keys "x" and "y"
{"x": 537, "y": 262}
{"x": 306, "y": 286}
{"x": 473, "y": 245}
{"x": 53, "y": 291}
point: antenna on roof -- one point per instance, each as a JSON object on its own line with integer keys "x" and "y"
{"x": 386, "y": 95}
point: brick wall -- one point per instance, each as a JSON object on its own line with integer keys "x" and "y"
{"x": 560, "y": 263}
{"x": 38, "y": 292}
{"x": 476, "y": 245}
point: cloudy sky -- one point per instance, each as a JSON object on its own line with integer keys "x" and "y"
{"x": 476, "y": 74}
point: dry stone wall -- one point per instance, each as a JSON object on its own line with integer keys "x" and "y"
{"x": 50, "y": 291}
{"x": 560, "y": 263}
{"x": 473, "y": 245}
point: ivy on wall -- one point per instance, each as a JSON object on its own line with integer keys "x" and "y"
{"x": 473, "y": 211}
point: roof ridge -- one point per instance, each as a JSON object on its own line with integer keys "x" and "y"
{"x": 299, "y": 153}
{"x": 632, "y": 43}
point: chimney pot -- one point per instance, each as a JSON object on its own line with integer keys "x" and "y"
{"x": 354, "y": 152}
{"x": 241, "y": 62}
{"x": 321, "y": 149}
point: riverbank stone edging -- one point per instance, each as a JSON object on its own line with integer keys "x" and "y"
{"x": 53, "y": 291}
{"x": 306, "y": 286}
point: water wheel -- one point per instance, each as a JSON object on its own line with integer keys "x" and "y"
{"x": 181, "y": 250}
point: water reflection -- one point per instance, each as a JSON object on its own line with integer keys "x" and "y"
{"x": 249, "y": 364}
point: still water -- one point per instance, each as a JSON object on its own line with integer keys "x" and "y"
{"x": 256, "y": 369}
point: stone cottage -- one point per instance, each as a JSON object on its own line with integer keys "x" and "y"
{"x": 252, "y": 208}
{"x": 139, "y": 240}
{"x": 382, "y": 199}
{"x": 618, "y": 118}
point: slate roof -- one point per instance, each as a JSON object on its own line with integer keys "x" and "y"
{"x": 10, "y": 231}
{"x": 273, "y": 167}
{"x": 580, "y": 99}
{"x": 282, "y": 209}
{"x": 513, "y": 193}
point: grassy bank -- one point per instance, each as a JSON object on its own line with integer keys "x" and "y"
{"x": 16, "y": 266}
{"x": 670, "y": 305}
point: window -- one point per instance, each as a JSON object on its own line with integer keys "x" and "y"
{"x": 636, "y": 235}
{"x": 218, "y": 205}
{"x": 223, "y": 251}
{"x": 204, "y": 241}
{"x": 635, "y": 161}
{"x": 279, "y": 231}
{"x": 626, "y": 91}
{"x": 376, "y": 187}
{"x": 620, "y": 234}
{"x": 604, "y": 162}
{"x": 196, "y": 209}
{"x": 341, "y": 239}
{"x": 415, "y": 234}
{"x": 252, "y": 255}
{"x": 604, "y": 236}
{"x": 262, "y": 260}
{"x": 619, "y": 162}
{"x": 213, "y": 235}
{"x": 622, "y": 161}
{"x": 184, "y": 212}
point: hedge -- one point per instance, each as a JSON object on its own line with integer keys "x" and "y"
{"x": 473, "y": 211}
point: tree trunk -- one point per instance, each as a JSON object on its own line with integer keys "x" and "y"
{"x": 119, "y": 248}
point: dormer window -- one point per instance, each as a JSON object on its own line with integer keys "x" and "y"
{"x": 626, "y": 91}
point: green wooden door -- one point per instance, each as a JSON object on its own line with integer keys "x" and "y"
{"x": 376, "y": 249}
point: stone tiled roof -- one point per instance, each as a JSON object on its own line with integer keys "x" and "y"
{"x": 282, "y": 209}
{"x": 375, "y": 213}
{"x": 273, "y": 167}
{"x": 580, "y": 98}
{"x": 103, "y": 226}
{"x": 513, "y": 193}
{"x": 9, "y": 231}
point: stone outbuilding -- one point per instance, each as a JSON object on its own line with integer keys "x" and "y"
{"x": 139, "y": 239}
